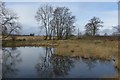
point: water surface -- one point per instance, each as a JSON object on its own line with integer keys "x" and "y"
{"x": 41, "y": 62}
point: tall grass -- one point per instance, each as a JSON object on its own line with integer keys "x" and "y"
{"x": 88, "y": 49}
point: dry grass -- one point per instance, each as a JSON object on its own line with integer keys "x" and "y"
{"x": 27, "y": 38}
{"x": 86, "y": 49}
{"x": 27, "y": 43}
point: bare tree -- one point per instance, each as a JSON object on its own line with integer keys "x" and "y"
{"x": 58, "y": 22}
{"x": 8, "y": 21}
{"x": 63, "y": 22}
{"x": 93, "y": 26}
{"x": 43, "y": 16}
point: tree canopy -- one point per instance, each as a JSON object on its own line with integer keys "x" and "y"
{"x": 93, "y": 26}
{"x": 8, "y": 21}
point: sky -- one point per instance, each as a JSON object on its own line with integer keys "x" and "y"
{"x": 61, "y": 0}
{"x": 84, "y": 11}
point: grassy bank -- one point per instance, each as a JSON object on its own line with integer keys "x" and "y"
{"x": 86, "y": 49}
{"x": 28, "y": 43}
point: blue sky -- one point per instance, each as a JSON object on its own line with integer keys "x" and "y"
{"x": 84, "y": 11}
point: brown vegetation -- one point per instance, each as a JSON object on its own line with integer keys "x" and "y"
{"x": 88, "y": 48}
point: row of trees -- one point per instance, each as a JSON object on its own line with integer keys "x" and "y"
{"x": 57, "y": 22}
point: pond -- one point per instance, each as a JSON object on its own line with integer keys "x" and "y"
{"x": 41, "y": 62}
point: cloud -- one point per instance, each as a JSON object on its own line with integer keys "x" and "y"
{"x": 83, "y": 12}
{"x": 25, "y": 12}
{"x": 26, "y": 30}
{"x": 110, "y": 18}
{"x": 108, "y": 31}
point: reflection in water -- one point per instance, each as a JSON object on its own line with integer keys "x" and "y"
{"x": 11, "y": 58}
{"x": 41, "y": 62}
{"x": 44, "y": 65}
{"x": 53, "y": 66}
{"x": 91, "y": 63}
{"x": 62, "y": 65}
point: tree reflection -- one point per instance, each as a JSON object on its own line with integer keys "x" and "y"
{"x": 11, "y": 58}
{"x": 91, "y": 63}
{"x": 51, "y": 65}
{"x": 62, "y": 65}
{"x": 44, "y": 65}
